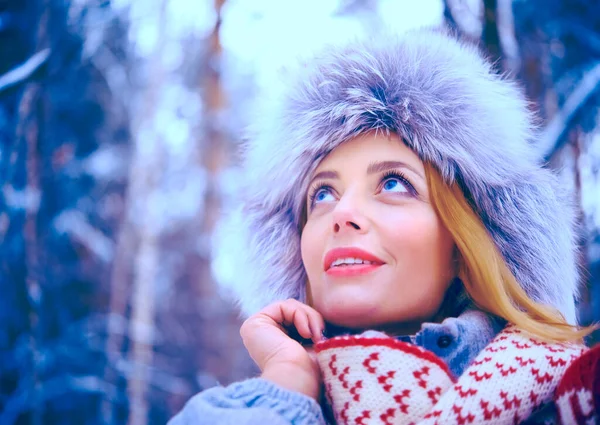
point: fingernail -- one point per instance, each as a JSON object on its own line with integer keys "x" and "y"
{"x": 316, "y": 337}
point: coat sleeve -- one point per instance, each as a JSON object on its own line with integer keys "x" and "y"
{"x": 252, "y": 402}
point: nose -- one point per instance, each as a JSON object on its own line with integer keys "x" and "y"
{"x": 347, "y": 216}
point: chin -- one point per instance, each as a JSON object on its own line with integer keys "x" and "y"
{"x": 351, "y": 315}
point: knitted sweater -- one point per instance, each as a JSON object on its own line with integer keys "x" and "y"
{"x": 374, "y": 379}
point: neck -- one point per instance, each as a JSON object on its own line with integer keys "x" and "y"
{"x": 393, "y": 329}
{"x": 400, "y": 329}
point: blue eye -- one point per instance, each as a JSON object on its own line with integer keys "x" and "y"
{"x": 320, "y": 194}
{"x": 390, "y": 184}
{"x": 395, "y": 182}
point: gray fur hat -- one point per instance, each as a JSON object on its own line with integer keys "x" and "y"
{"x": 442, "y": 97}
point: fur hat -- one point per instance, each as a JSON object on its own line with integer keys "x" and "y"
{"x": 451, "y": 108}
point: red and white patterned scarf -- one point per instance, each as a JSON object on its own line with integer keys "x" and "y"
{"x": 374, "y": 379}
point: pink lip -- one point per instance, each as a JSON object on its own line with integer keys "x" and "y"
{"x": 357, "y": 269}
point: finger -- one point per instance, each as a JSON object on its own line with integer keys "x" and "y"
{"x": 317, "y": 323}
{"x": 302, "y": 324}
{"x": 290, "y": 313}
{"x": 281, "y": 312}
{"x": 297, "y": 316}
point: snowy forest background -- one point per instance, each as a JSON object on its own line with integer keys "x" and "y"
{"x": 119, "y": 122}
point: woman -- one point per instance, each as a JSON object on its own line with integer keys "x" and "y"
{"x": 393, "y": 186}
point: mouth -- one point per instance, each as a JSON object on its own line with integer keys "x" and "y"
{"x": 350, "y": 262}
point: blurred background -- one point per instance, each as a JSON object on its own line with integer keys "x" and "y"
{"x": 119, "y": 122}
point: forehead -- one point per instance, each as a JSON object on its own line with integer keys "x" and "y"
{"x": 360, "y": 151}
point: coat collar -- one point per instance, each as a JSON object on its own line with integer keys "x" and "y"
{"x": 458, "y": 340}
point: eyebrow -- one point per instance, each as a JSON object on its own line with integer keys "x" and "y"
{"x": 374, "y": 167}
{"x": 378, "y": 167}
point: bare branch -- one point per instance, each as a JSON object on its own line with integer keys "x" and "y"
{"x": 465, "y": 18}
{"x": 448, "y": 17}
{"x": 508, "y": 39}
{"x": 24, "y": 71}
{"x": 490, "y": 35}
{"x": 551, "y": 139}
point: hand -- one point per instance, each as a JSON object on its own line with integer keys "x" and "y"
{"x": 280, "y": 358}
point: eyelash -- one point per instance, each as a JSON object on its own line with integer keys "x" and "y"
{"x": 387, "y": 175}
{"x": 400, "y": 176}
{"x": 314, "y": 190}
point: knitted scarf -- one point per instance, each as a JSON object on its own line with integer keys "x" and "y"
{"x": 375, "y": 379}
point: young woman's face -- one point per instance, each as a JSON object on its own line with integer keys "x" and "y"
{"x": 375, "y": 252}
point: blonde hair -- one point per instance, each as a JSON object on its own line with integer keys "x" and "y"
{"x": 484, "y": 272}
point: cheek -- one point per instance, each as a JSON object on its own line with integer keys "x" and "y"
{"x": 311, "y": 246}
{"x": 417, "y": 239}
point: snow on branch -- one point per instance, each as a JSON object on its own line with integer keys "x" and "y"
{"x": 551, "y": 139}
{"x": 24, "y": 71}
